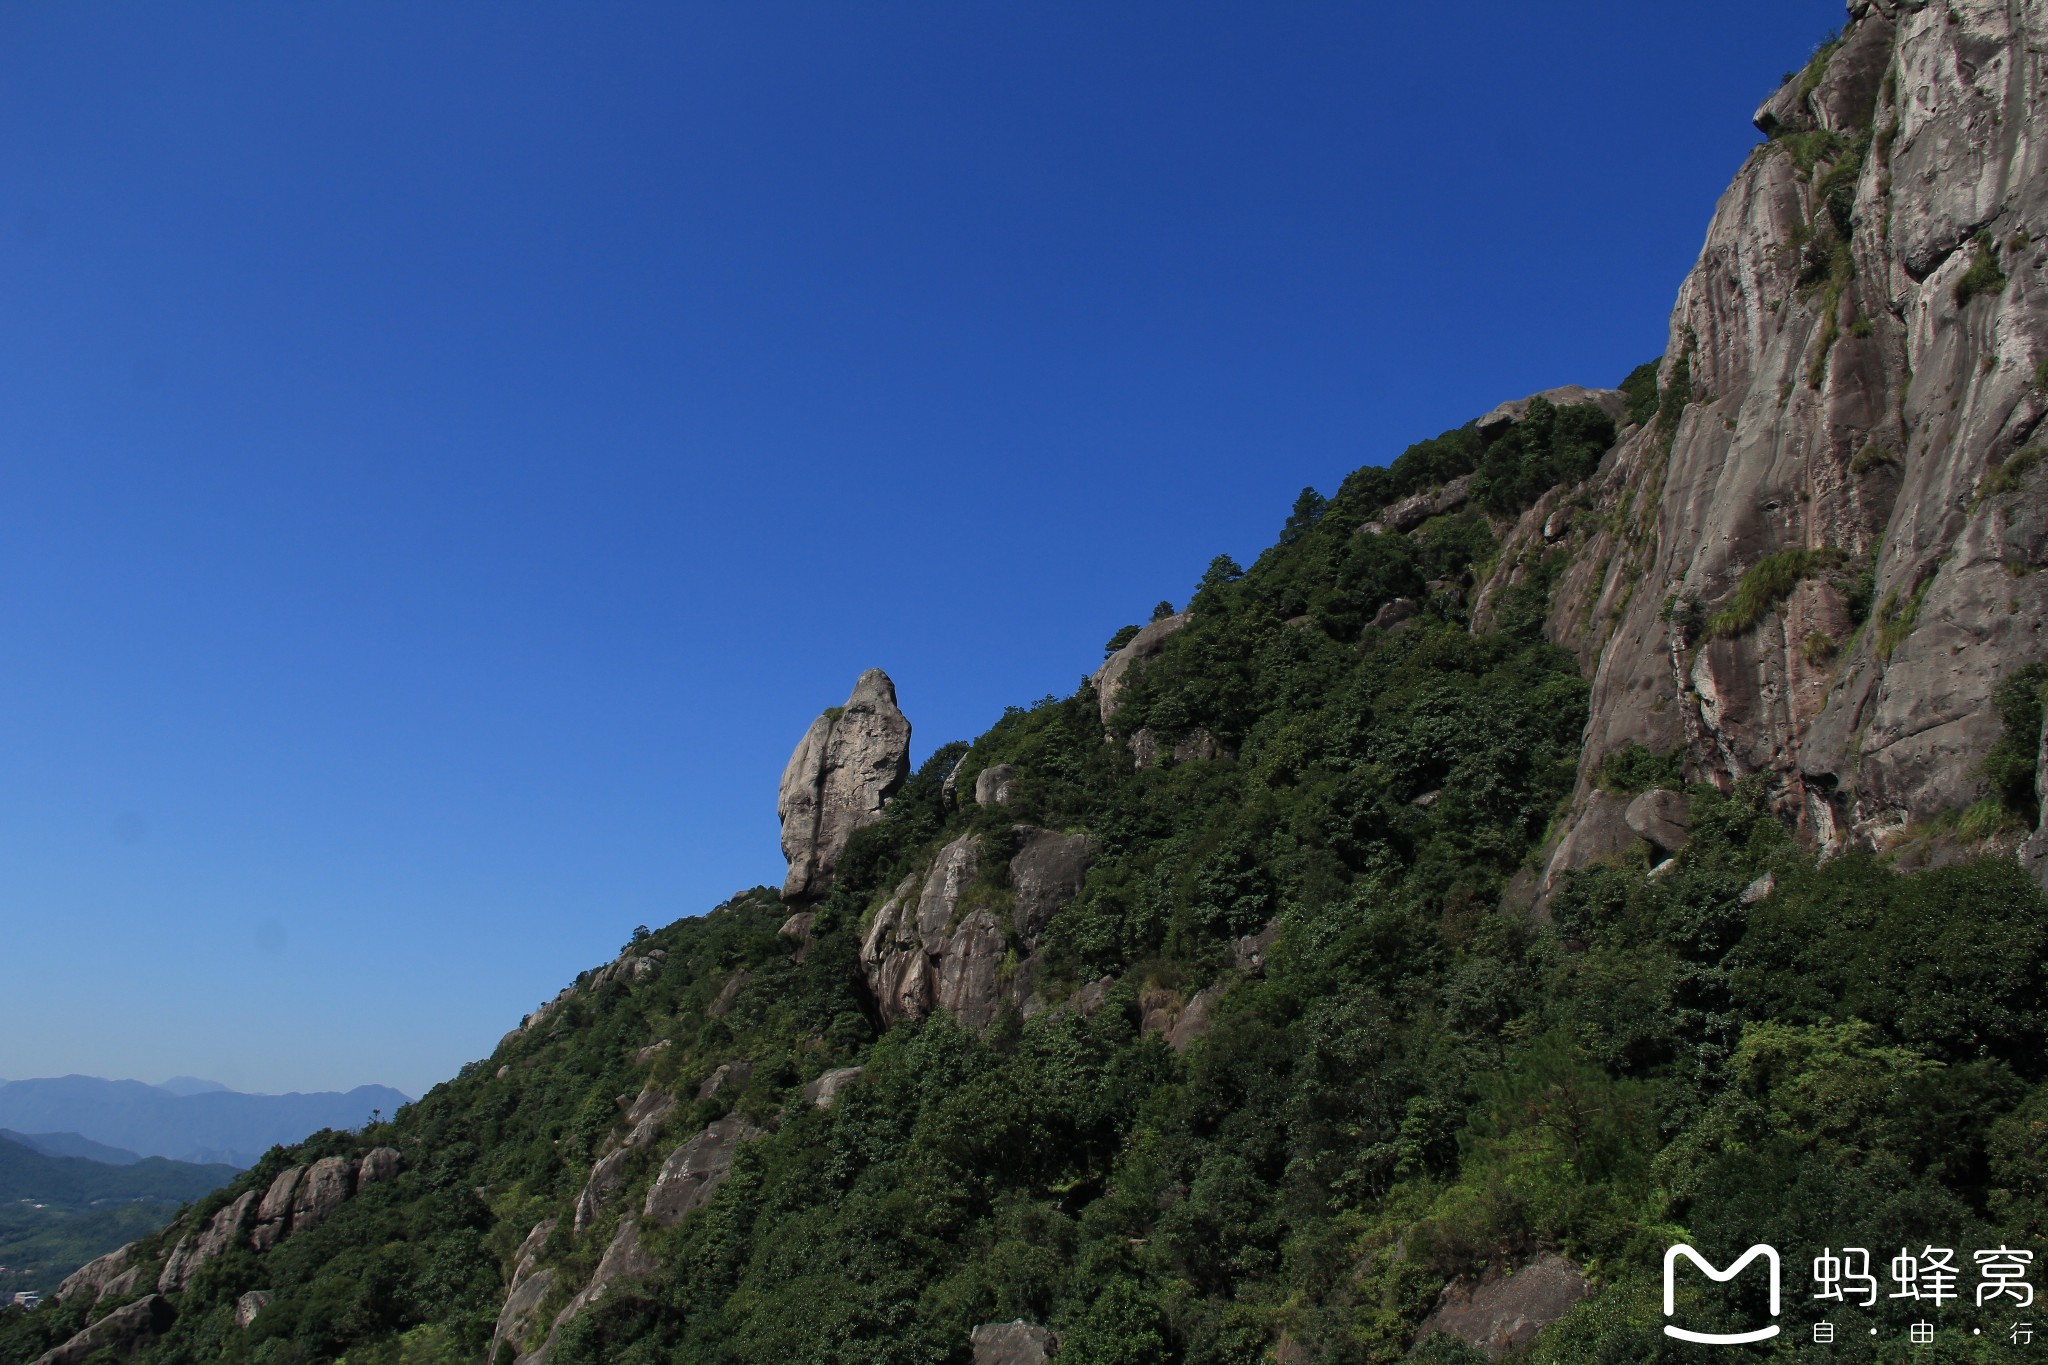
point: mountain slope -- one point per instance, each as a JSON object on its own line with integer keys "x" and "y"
{"x": 1384, "y": 958}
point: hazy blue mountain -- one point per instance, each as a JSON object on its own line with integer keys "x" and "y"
{"x": 218, "y": 1126}
{"x": 71, "y": 1144}
{"x": 26, "y": 1174}
{"x": 191, "y": 1085}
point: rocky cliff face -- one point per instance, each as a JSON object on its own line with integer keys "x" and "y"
{"x": 844, "y": 770}
{"x": 1820, "y": 557}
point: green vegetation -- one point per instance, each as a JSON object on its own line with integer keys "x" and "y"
{"x": 1549, "y": 446}
{"x": 2010, "y": 767}
{"x": 1767, "y": 583}
{"x": 1897, "y": 617}
{"x": 2009, "y": 476}
{"x": 57, "y": 1213}
{"x": 1983, "y": 276}
{"x": 1641, "y": 388}
{"x": 1633, "y": 768}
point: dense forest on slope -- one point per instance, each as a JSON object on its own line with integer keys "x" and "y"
{"x": 1396, "y": 1080}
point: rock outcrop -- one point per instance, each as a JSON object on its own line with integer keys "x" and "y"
{"x": 1852, "y": 391}
{"x": 195, "y": 1249}
{"x": 694, "y": 1171}
{"x": 1502, "y": 1313}
{"x": 940, "y": 940}
{"x": 1012, "y": 1343}
{"x": 994, "y": 785}
{"x": 123, "y": 1332}
{"x": 1613, "y": 402}
{"x": 1109, "y": 679}
{"x": 844, "y": 770}
{"x": 92, "y": 1278}
{"x": 529, "y": 1289}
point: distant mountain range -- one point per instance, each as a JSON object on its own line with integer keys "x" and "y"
{"x": 185, "y": 1119}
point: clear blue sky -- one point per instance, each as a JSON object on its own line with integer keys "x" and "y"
{"x": 448, "y": 453}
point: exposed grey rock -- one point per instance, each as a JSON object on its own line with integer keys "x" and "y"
{"x": 1046, "y": 873}
{"x": 92, "y": 1277}
{"x": 1194, "y": 1020}
{"x": 1611, "y": 401}
{"x": 1663, "y": 869}
{"x": 993, "y": 786}
{"x": 625, "y": 1261}
{"x": 733, "y": 1074}
{"x": 1013, "y": 1343}
{"x": 646, "y": 1055}
{"x": 797, "y": 929}
{"x": 1760, "y": 889}
{"x": 1249, "y": 953}
{"x": 274, "y": 1214}
{"x": 1873, "y": 434}
{"x": 1109, "y": 679}
{"x": 378, "y": 1165}
{"x": 1502, "y": 1313}
{"x": 195, "y": 1249}
{"x": 721, "y": 1004}
{"x": 1092, "y": 997}
{"x": 628, "y": 967}
{"x": 1144, "y": 749}
{"x": 825, "y": 1090}
{"x": 1394, "y": 613}
{"x": 694, "y": 1170}
{"x": 949, "y": 790}
{"x": 843, "y": 772}
{"x": 124, "y": 1331}
{"x": 1662, "y": 816}
{"x": 967, "y": 981}
{"x": 327, "y": 1185}
{"x": 530, "y": 1285}
{"x": 125, "y": 1284}
{"x": 1597, "y": 832}
{"x": 1411, "y": 512}
{"x": 249, "y": 1306}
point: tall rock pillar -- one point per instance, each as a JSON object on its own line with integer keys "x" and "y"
{"x": 844, "y": 770}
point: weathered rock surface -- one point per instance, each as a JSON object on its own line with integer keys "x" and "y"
{"x": 1503, "y": 1313}
{"x": 1191, "y": 746}
{"x": 1013, "y": 1343}
{"x": 1395, "y": 613}
{"x": 843, "y": 772}
{"x": 194, "y": 1250}
{"x": 1109, "y": 679}
{"x": 92, "y": 1277}
{"x": 530, "y": 1285}
{"x": 826, "y": 1089}
{"x": 733, "y": 1074}
{"x": 249, "y": 1306}
{"x": 694, "y": 1170}
{"x": 1046, "y": 873}
{"x": 274, "y": 1214}
{"x": 1871, "y": 433}
{"x": 124, "y": 1331}
{"x": 326, "y": 1187}
{"x": 644, "y": 1118}
{"x": 1663, "y": 817}
{"x": 378, "y": 1165}
{"x": 939, "y": 943}
{"x": 1411, "y": 512}
{"x": 625, "y": 1261}
{"x": 993, "y": 786}
{"x": 1611, "y": 401}
{"x": 1195, "y": 1019}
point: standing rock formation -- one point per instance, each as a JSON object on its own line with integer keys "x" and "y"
{"x": 123, "y": 1332}
{"x": 939, "y": 943}
{"x": 844, "y": 770}
{"x": 694, "y": 1171}
{"x": 1855, "y": 371}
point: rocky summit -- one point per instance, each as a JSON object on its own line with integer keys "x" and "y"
{"x": 1614, "y": 821}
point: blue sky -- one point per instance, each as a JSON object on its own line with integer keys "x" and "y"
{"x": 448, "y": 453}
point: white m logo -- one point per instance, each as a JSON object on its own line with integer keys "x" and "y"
{"x": 1769, "y": 1254}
